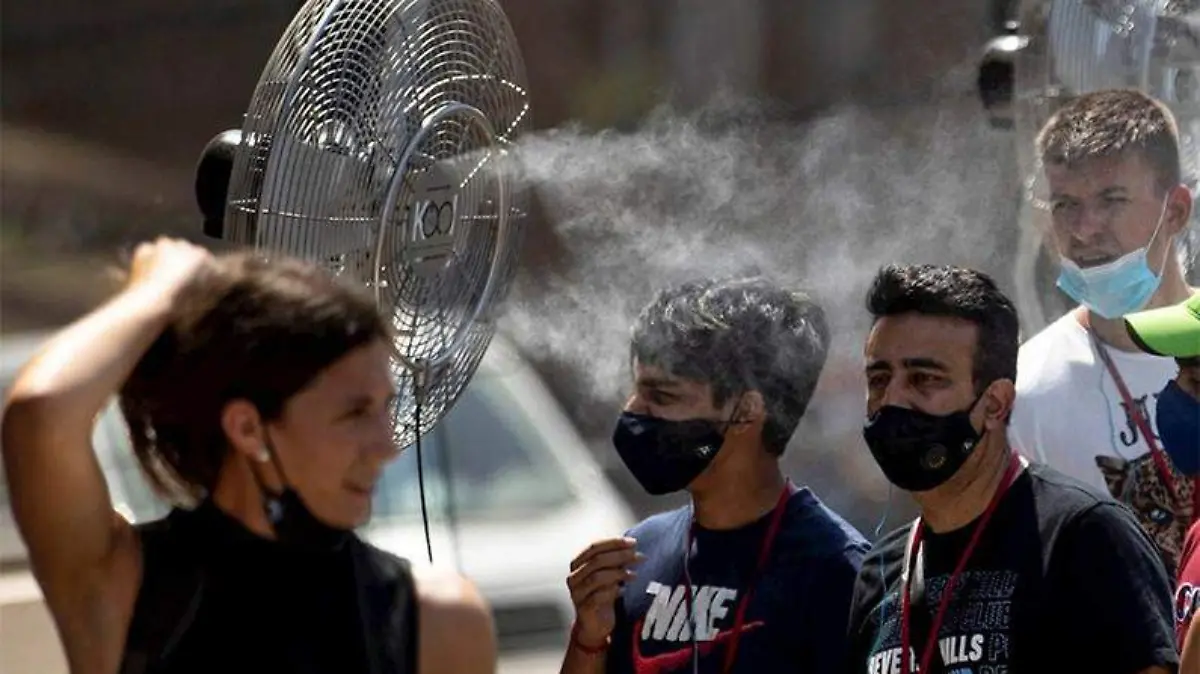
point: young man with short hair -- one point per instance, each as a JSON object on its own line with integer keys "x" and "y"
{"x": 1086, "y": 394}
{"x": 756, "y": 575}
{"x": 1010, "y": 567}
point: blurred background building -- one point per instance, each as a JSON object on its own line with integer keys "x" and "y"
{"x": 106, "y": 106}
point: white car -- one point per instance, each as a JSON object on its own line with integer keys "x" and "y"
{"x": 527, "y": 494}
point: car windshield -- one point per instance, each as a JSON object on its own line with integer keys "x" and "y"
{"x": 499, "y": 462}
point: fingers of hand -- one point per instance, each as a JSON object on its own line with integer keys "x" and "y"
{"x": 143, "y": 252}
{"x": 605, "y": 560}
{"x": 182, "y": 248}
{"x": 166, "y": 247}
{"x": 586, "y": 585}
{"x": 175, "y": 252}
{"x": 601, "y": 547}
{"x": 600, "y": 599}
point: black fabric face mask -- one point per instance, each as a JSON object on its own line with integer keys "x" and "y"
{"x": 666, "y": 456}
{"x": 918, "y": 451}
{"x": 293, "y": 523}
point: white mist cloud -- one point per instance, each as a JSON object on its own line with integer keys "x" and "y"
{"x": 820, "y": 206}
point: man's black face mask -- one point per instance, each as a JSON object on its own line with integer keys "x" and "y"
{"x": 918, "y": 451}
{"x": 666, "y": 456}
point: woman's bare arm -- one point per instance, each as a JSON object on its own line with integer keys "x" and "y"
{"x": 78, "y": 547}
{"x": 59, "y": 497}
{"x": 455, "y": 630}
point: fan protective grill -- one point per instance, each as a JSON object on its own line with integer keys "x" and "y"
{"x": 374, "y": 144}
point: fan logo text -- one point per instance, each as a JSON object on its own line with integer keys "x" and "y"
{"x": 436, "y": 218}
{"x": 433, "y": 215}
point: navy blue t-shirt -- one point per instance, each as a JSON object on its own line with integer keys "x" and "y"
{"x": 796, "y": 618}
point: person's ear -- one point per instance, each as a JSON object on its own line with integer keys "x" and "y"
{"x": 1178, "y": 210}
{"x": 749, "y": 412}
{"x": 996, "y": 404}
{"x": 244, "y": 430}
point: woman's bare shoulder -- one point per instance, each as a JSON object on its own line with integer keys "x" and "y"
{"x": 455, "y": 625}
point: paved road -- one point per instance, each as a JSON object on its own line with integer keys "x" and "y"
{"x": 533, "y": 662}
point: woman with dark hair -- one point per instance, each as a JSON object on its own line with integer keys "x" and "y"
{"x": 259, "y": 397}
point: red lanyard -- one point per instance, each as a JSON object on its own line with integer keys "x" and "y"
{"x": 914, "y": 548}
{"x": 1161, "y": 462}
{"x": 764, "y": 554}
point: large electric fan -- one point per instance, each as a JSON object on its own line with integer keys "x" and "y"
{"x": 375, "y": 143}
{"x": 1058, "y": 49}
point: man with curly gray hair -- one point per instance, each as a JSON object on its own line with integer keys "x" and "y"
{"x": 756, "y": 574}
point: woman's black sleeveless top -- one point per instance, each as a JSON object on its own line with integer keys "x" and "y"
{"x": 217, "y": 598}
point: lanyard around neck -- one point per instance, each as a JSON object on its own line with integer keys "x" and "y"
{"x": 913, "y": 557}
{"x": 764, "y": 555}
{"x": 1161, "y": 462}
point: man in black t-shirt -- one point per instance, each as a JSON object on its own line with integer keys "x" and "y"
{"x": 1011, "y": 568}
{"x": 756, "y": 575}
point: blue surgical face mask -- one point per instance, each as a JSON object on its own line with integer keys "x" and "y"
{"x": 1120, "y": 287}
{"x": 1178, "y": 419}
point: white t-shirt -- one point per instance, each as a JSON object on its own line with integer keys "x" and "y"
{"x": 1070, "y": 414}
{"x": 1069, "y": 410}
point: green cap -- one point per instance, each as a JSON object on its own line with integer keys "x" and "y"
{"x": 1169, "y": 331}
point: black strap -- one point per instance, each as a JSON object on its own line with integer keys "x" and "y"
{"x": 921, "y": 622}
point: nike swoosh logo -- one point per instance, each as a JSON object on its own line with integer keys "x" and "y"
{"x": 677, "y": 659}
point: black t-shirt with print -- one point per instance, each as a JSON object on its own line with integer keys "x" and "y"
{"x": 1063, "y": 580}
{"x": 795, "y": 620}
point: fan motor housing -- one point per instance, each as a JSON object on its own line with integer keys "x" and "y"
{"x": 212, "y": 180}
